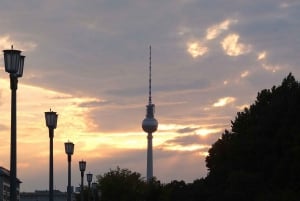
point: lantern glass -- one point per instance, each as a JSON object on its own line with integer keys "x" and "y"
{"x": 89, "y": 177}
{"x": 51, "y": 119}
{"x": 12, "y": 60}
{"x": 82, "y": 166}
{"x": 69, "y": 148}
{"x": 19, "y": 73}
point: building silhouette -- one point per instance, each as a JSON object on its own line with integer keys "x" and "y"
{"x": 149, "y": 125}
{"x": 5, "y": 185}
{"x": 44, "y": 196}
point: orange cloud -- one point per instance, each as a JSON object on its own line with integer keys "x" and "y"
{"x": 215, "y": 30}
{"x": 233, "y": 47}
{"x": 245, "y": 74}
{"x": 224, "y": 101}
{"x": 272, "y": 68}
{"x": 261, "y": 55}
{"x": 196, "y": 49}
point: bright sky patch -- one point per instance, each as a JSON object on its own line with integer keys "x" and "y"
{"x": 245, "y": 74}
{"x": 233, "y": 47}
{"x": 215, "y": 30}
{"x": 224, "y": 101}
{"x": 193, "y": 147}
{"x": 206, "y": 131}
{"x": 6, "y": 42}
{"x": 271, "y": 68}
{"x": 196, "y": 49}
{"x": 261, "y": 55}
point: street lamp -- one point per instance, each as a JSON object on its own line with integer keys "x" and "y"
{"x": 94, "y": 187}
{"x": 82, "y": 166}
{"x": 89, "y": 178}
{"x": 69, "y": 148}
{"x": 14, "y": 63}
{"x": 51, "y": 123}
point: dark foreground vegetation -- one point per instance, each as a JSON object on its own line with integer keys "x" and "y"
{"x": 257, "y": 160}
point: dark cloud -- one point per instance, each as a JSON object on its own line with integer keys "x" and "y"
{"x": 186, "y": 130}
{"x": 193, "y": 139}
{"x": 185, "y": 140}
{"x": 93, "y": 104}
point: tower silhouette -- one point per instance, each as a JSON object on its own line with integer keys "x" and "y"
{"x": 149, "y": 125}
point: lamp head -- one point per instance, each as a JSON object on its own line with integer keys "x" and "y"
{"x": 69, "y": 148}
{"x": 82, "y": 165}
{"x": 51, "y": 119}
{"x": 12, "y": 60}
{"x": 89, "y": 177}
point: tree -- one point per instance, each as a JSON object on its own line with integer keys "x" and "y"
{"x": 152, "y": 190}
{"x": 121, "y": 185}
{"x": 175, "y": 190}
{"x": 259, "y": 159}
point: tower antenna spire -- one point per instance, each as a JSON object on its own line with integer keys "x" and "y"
{"x": 150, "y": 98}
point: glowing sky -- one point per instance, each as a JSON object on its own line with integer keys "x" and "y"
{"x": 88, "y": 61}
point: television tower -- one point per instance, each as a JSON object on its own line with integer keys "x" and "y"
{"x": 149, "y": 125}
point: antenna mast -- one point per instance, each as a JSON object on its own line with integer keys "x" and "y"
{"x": 150, "y": 98}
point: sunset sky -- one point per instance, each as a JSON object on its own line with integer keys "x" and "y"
{"x": 88, "y": 61}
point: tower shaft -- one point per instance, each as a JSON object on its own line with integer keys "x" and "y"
{"x": 149, "y": 157}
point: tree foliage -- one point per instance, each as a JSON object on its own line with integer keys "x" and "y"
{"x": 259, "y": 159}
{"x": 120, "y": 185}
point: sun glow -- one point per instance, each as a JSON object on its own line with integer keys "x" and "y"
{"x": 206, "y": 131}
{"x": 32, "y": 103}
{"x": 194, "y": 147}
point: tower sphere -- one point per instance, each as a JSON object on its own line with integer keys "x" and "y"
{"x": 149, "y": 125}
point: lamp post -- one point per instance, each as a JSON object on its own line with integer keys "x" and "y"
{"x": 69, "y": 148}
{"x": 82, "y": 166}
{"x": 94, "y": 187}
{"x": 51, "y": 123}
{"x": 89, "y": 178}
{"x": 14, "y": 63}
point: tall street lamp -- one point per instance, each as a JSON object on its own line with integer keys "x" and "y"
{"x": 82, "y": 166}
{"x": 69, "y": 148}
{"x": 94, "y": 187}
{"x": 89, "y": 178}
{"x": 51, "y": 123}
{"x": 14, "y": 63}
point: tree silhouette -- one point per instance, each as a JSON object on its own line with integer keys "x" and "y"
{"x": 259, "y": 159}
{"x": 120, "y": 185}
